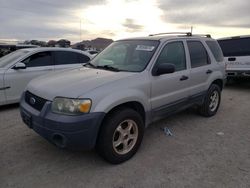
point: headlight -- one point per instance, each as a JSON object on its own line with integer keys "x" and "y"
{"x": 71, "y": 106}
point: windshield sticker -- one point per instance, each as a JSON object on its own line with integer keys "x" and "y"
{"x": 145, "y": 48}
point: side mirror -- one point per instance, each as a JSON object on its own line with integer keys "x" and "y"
{"x": 164, "y": 68}
{"x": 19, "y": 66}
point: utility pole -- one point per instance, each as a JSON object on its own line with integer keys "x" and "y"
{"x": 80, "y": 30}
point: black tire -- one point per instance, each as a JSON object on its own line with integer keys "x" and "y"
{"x": 205, "y": 109}
{"x": 109, "y": 131}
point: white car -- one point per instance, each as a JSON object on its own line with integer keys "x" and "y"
{"x": 21, "y": 66}
{"x": 237, "y": 56}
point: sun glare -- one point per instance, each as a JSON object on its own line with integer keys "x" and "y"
{"x": 112, "y": 16}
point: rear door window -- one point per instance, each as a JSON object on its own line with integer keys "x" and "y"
{"x": 65, "y": 58}
{"x": 198, "y": 54}
{"x": 216, "y": 51}
{"x": 83, "y": 58}
{"x": 235, "y": 47}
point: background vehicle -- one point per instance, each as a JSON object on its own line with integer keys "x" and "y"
{"x": 21, "y": 66}
{"x": 130, "y": 84}
{"x": 8, "y": 48}
{"x": 237, "y": 56}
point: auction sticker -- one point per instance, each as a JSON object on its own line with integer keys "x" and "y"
{"x": 145, "y": 48}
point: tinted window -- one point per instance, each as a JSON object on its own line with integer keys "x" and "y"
{"x": 83, "y": 58}
{"x": 64, "y": 58}
{"x": 215, "y": 49}
{"x": 173, "y": 53}
{"x": 235, "y": 47}
{"x": 198, "y": 54}
{"x": 39, "y": 59}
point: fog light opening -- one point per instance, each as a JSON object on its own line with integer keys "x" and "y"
{"x": 59, "y": 140}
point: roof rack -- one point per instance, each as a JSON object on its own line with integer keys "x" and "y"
{"x": 181, "y": 33}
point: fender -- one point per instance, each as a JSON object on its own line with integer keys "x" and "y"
{"x": 120, "y": 97}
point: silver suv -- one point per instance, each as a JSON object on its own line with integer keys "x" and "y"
{"x": 132, "y": 83}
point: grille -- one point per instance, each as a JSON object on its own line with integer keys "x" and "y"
{"x": 34, "y": 101}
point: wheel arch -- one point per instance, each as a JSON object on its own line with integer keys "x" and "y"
{"x": 135, "y": 105}
{"x": 218, "y": 82}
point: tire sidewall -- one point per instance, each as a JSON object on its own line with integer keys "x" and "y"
{"x": 212, "y": 88}
{"x": 108, "y": 130}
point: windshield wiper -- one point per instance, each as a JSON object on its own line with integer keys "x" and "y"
{"x": 108, "y": 67}
{"x": 89, "y": 64}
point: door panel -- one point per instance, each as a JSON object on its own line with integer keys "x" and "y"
{"x": 17, "y": 80}
{"x": 36, "y": 65}
{"x": 199, "y": 79}
{"x": 2, "y": 90}
{"x": 169, "y": 88}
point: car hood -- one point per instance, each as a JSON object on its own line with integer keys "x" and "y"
{"x": 72, "y": 83}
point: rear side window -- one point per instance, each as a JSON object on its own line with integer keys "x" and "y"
{"x": 83, "y": 58}
{"x": 38, "y": 60}
{"x": 235, "y": 47}
{"x": 198, "y": 54}
{"x": 216, "y": 51}
{"x": 65, "y": 58}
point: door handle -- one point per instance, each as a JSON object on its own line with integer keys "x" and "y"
{"x": 209, "y": 71}
{"x": 4, "y": 88}
{"x": 183, "y": 78}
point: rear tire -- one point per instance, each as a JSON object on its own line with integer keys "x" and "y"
{"x": 211, "y": 102}
{"x": 120, "y": 135}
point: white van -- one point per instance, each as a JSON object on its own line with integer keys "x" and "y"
{"x": 237, "y": 55}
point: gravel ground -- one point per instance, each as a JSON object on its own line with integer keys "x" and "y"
{"x": 203, "y": 152}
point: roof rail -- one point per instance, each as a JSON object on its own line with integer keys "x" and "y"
{"x": 203, "y": 35}
{"x": 172, "y": 33}
{"x": 181, "y": 33}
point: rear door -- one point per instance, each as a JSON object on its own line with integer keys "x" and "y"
{"x": 37, "y": 64}
{"x": 2, "y": 88}
{"x": 201, "y": 67}
{"x": 68, "y": 59}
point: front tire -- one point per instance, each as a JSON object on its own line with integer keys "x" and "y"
{"x": 120, "y": 136}
{"x": 211, "y": 102}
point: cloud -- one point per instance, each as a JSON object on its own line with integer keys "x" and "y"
{"x": 131, "y": 26}
{"x": 41, "y": 19}
{"x": 222, "y": 13}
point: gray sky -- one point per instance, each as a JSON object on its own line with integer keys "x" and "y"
{"x": 55, "y": 19}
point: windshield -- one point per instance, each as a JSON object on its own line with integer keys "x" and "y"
{"x": 5, "y": 60}
{"x": 132, "y": 56}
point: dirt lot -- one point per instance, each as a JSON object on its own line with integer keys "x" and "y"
{"x": 203, "y": 152}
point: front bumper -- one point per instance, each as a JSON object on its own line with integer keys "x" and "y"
{"x": 75, "y": 132}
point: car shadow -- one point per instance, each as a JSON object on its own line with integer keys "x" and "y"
{"x": 9, "y": 107}
{"x": 239, "y": 83}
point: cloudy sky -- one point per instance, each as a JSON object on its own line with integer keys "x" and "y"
{"x": 88, "y": 19}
